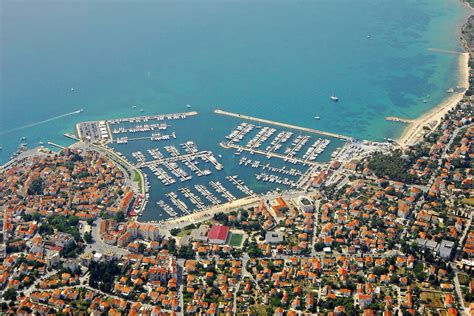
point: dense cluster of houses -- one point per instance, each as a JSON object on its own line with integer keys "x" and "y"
{"x": 367, "y": 246}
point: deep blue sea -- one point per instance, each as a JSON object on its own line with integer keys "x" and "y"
{"x": 279, "y": 60}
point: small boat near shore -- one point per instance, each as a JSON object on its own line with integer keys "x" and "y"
{"x": 317, "y": 118}
{"x": 334, "y": 98}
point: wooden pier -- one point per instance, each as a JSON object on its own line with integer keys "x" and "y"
{"x": 294, "y": 127}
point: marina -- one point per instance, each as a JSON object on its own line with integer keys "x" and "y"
{"x": 190, "y": 199}
{"x": 285, "y": 145}
{"x": 104, "y": 131}
{"x": 207, "y": 194}
{"x": 240, "y": 185}
{"x": 205, "y": 156}
{"x": 258, "y": 164}
{"x": 268, "y": 154}
{"x": 265, "y": 177}
{"x": 303, "y": 129}
{"x": 166, "y": 208}
{"x": 195, "y": 200}
{"x": 180, "y": 179}
{"x": 173, "y": 197}
{"x": 223, "y": 191}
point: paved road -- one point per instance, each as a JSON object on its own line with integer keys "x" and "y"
{"x": 455, "y": 134}
{"x": 315, "y": 227}
{"x": 457, "y": 286}
{"x": 100, "y": 246}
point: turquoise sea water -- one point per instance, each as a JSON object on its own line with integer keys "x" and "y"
{"x": 279, "y": 60}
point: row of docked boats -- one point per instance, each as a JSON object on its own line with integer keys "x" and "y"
{"x": 239, "y": 133}
{"x": 265, "y": 177}
{"x": 159, "y": 136}
{"x": 263, "y": 134}
{"x": 240, "y": 185}
{"x": 140, "y": 128}
{"x": 281, "y": 138}
{"x": 316, "y": 149}
{"x": 258, "y": 164}
{"x": 296, "y": 145}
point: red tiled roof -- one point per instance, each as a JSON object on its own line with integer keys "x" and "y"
{"x": 218, "y": 232}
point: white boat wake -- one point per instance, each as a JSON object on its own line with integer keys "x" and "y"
{"x": 40, "y": 122}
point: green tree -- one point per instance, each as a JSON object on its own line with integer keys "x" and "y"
{"x": 88, "y": 237}
{"x": 186, "y": 252}
{"x": 10, "y": 294}
{"x": 392, "y": 166}
{"x": 119, "y": 217}
{"x": 36, "y": 187}
{"x": 175, "y": 231}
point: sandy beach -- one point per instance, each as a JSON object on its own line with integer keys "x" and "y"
{"x": 414, "y": 131}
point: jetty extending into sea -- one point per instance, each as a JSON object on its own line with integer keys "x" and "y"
{"x": 399, "y": 119}
{"x": 295, "y": 127}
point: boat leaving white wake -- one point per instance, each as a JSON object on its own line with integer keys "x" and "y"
{"x": 40, "y": 122}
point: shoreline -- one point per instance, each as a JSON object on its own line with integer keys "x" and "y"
{"x": 414, "y": 132}
{"x": 206, "y": 214}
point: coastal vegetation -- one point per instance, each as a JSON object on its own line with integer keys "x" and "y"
{"x": 392, "y": 166}
{"x": 137, "y": 177}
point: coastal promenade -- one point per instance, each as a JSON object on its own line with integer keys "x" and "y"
{"x": 209, "y": 213}
{"x": 295, "y": 127}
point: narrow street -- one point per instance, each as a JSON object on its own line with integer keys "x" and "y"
{"x": 315, "y": 227}
{"x": 459, "y": 293}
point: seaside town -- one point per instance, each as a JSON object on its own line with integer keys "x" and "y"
{"x": 382, "y": 228}
{"x": 387, "y": 233}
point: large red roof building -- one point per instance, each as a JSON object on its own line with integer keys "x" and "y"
{"x": 218, "y": 234}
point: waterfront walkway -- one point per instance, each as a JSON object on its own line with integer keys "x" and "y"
{"x": 295, "y": 127}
